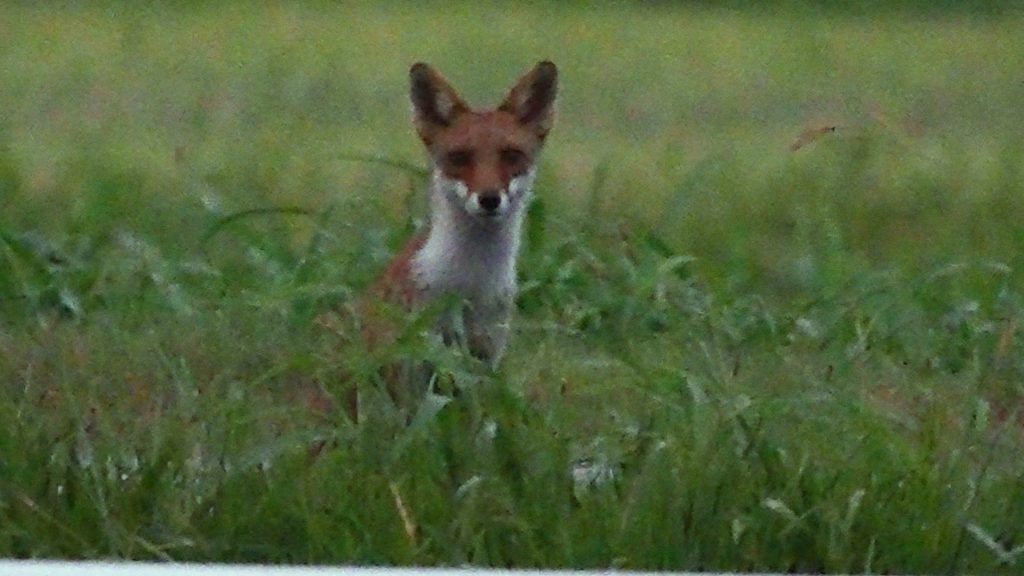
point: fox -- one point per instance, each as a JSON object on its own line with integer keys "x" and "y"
{"x": 482, "y": 165}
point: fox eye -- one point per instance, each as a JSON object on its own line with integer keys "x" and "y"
{"x": 459, "y": 158}
{"x": 512, "y": 156}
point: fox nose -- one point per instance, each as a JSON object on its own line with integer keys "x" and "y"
{"x": 490, "y": 202}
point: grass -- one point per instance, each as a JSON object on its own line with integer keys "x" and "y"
{"x": 728, "y": 355}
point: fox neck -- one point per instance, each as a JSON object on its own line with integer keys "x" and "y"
{"x": 466, "y": 255}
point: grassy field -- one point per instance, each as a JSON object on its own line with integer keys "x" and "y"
{"x": 729, "y": 354}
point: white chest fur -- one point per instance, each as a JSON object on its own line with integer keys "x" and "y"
{"x": 473, "y": 258}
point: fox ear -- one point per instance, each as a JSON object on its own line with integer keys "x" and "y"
{"x": 435, "y": 103}
{"x": 532, "y": 99}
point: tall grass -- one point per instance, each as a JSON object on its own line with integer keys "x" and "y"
{"x": 728, "y": 354}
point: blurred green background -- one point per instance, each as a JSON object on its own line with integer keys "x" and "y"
{"x": 685, "y": 114}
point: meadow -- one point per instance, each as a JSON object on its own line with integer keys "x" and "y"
{"x": 771, "y": 303}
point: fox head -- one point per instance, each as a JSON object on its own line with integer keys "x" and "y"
{"x": 483, "y": 160}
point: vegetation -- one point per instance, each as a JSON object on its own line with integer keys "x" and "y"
{"x": 770, "y": 318}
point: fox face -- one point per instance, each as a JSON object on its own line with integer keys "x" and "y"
{"x": 484, "y": 160}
